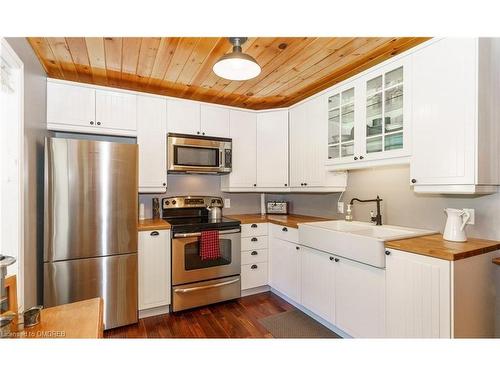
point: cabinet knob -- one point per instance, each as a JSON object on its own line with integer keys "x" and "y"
{"x": 337, "y": 259}
{"x": 154, "y": 233}
{"x": 91, "y": 122}
{"x": 355, "y": 158}
{"x": 286, "y": 184}
{"x": 197, "y": 132}
{"x": 98, "y": 123}
{"x": 254, "y": 239}
{"x": 254, "y": 266}
{"x": 164, "y": 184}
{"x": 331, "y": 258}
{"x": 284, "y": 229}
{"x": 254, "y": 253}
{"x": 361, "y": 157}
{"x": 413, "y": 181}
{"x": 203, "y": 133}
{"x": 387, "y": 252}
{"x": 254, "y": 185}
{"x": 297, "y": 248}
{"x": 253, "y": 226}
{"x": 305, "y": 183}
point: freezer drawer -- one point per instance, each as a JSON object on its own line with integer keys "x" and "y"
{"x": 114, "y": 278}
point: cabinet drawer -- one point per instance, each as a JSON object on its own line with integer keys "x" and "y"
{"x": 254, "y": 256}
{"x": 255, "y": 229}
{"x": 253, "y": 275}
{"x": 285, "y": 233}
{"x": 252, "y": 243}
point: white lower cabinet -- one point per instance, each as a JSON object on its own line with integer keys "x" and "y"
{"x": 154, "y": 268}
{"x": 359, "y": 299}
{"x": 284, "y": 270}
{"x": 318, "y": 282}
{"x": 254, "y": 255}
{"x": 418, "y": 296}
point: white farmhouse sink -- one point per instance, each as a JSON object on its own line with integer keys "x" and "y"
{"x": 356, "y": 240}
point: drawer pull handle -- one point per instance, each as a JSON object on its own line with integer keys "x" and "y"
{"x": 254, "y": 253}
{"x": 253, "y": 226}
{"x": 284, "y": 229}
{"x": 154, "y": 233}
{"x": 254, "y": 267}
{"x": 254, "y": 239}
{"x": 387, "y": 252}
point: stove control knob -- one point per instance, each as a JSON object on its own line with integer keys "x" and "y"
{"x": 174, "y": 201}
{"x": 213, "y": 201}
{"x": 167, "y": 203}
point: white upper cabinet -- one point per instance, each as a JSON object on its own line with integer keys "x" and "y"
{"x": 455, "y": 96}
{"x": 78, "y": 108}
{"x": 152, "y": 139}
{"x": 308, "y": 148}
{"x": 115, "y": 110}
{"x": 272, "y": 149}
{"x": 214, "y": 121}
{"x": 183, "y": 117}
{"x": 70, "y": 105}
{"x": 243, "y": 131}
{"x": 369, "y": 118}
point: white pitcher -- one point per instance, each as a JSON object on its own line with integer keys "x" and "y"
{"x": 455, "y": 225}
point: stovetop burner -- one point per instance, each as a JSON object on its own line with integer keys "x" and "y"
{"x": 190, "y": 214}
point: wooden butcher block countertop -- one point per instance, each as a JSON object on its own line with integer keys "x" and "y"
{"x": 496, "y": 261}
{"x": 78, "y": 320}
{"x": 291, "y": 220}
{"x": 435, "y": 246}
{"x": 152, "y": 224}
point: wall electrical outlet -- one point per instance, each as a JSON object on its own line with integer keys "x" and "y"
{"x": 227, "y": 203}
{"x": 340, "y": 207}
{"x": 472, "y": 215}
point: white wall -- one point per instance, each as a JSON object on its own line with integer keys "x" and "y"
{"x": 35, "y": 88}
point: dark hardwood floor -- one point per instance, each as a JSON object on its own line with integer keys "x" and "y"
{"x": 233, "y": 319}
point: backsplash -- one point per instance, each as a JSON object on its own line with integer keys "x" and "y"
{"x": 241, "y": 203}
{"x": 400, "y": 205}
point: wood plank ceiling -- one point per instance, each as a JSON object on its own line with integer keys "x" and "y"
{"x": 292, "y": 68}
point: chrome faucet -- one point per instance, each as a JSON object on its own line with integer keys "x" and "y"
{"x": 377, "y": 219}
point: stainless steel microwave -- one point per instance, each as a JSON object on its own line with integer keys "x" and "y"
{"x": 198, "y": 154}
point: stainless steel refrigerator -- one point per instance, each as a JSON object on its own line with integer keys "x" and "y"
{"x": 90, "y": 244}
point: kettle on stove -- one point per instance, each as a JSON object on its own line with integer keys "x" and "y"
{"x": 455, "y": 225}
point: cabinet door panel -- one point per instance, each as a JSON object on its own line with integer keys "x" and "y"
{"x": 70, "y": 105}
{"x": 444, "y": 121}
{"x": 360, "y": 299}
{"x": 418, "y": 296}
{"x": 152, "y": 139}
{"x": 272, "y": 149}
{"x": 116, "y": 110}
{"x": 285, "y": 268}
{"x": 183, "y": 117}
{"x": 298, "y": 145}
{"x": 214, "y": 121}
{"x": 243, "y": 132}
{"x": 317, "y": 283}
{"x": 154, "y": 269}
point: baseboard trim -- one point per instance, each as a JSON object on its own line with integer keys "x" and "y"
{"x": 257, "y": 290}
{"x": 160, "y": 310}
{"x": 319, "y": 319}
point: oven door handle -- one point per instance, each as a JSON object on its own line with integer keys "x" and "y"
{"x": 196, "y": 288}
{"x": 198, "y": 234}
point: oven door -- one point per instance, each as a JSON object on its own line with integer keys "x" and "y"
{"x": 187, "y": 266}
{"x": 198, "y": 155}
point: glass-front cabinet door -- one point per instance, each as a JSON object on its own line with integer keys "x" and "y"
{"x": 385, "y": 113}
{"x": 341, "y": 125}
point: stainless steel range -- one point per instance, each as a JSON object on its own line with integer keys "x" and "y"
{"x": 197, "y": 282}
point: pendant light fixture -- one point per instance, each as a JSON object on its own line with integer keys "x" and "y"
{"x": 237, "y": 66}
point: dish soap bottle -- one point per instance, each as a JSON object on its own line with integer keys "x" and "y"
{"x": 348, "y": 214}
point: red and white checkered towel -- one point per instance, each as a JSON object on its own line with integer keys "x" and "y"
{"x": 209, "y": 245}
